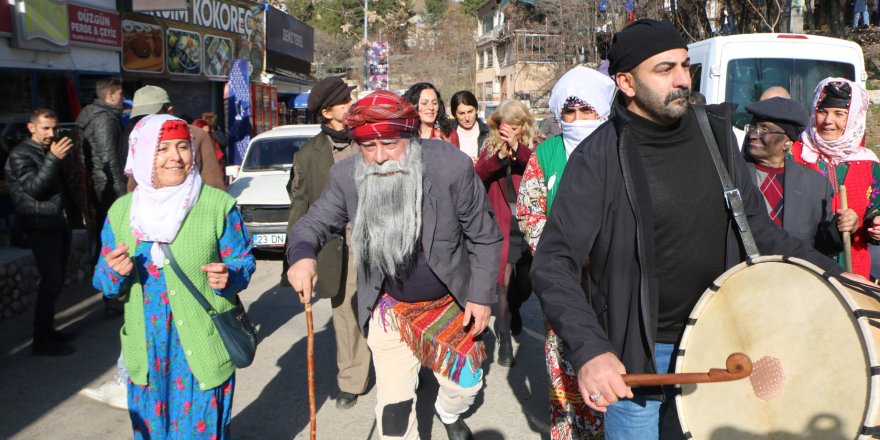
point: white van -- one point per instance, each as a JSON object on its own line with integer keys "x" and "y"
{"x": 738, "y": 68}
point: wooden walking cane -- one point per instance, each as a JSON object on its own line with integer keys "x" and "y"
{"x": 310, "y": 358}
{"x": 847, "y": 246}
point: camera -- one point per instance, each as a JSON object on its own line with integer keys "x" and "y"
{"x": 62, "y": 133}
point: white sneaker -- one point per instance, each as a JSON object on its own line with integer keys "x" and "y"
{"x": 114, "y": 394}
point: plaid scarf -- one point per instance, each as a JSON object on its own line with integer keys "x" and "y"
{"x": 434, "y": 331}
{"x": 381, "y": 115}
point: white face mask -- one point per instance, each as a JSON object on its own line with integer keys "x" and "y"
{"x": 576, "y": 131}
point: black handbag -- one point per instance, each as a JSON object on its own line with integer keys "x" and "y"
{"x": 237, "y": 332}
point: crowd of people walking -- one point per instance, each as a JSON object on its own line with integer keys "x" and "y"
{"x": 420, "y": 225}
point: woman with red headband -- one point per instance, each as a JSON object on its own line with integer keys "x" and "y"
{"x": 182, "y": 379}
{"x": 833, "y": 144}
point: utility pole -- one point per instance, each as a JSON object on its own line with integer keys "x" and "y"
{"x": 366, "y": 49}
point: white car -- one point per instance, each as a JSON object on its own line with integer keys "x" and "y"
{"x": 260, "y": 187}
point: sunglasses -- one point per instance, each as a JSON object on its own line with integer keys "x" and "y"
{"x": 760, "y": 130}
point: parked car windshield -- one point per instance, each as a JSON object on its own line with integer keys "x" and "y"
{"x": 273, "y": 153}
{"x": 747, "y": 78}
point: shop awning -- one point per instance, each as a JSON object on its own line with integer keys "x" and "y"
{"x": 299, "y": 101}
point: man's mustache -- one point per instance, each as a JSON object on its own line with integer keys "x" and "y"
{"x": 676, "y": 94}
{"x": 387, "y": 167}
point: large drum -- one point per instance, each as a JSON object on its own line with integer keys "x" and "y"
{"x": 815, "y": 346}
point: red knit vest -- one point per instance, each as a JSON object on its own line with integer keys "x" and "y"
{"x": 858, "y": 191}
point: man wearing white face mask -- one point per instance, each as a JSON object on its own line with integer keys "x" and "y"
{"x": 581, "y": 101}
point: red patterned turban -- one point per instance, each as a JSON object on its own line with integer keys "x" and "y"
{"x": 381, "y": 115}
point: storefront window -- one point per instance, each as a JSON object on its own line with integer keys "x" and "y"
{"x": 15, "y": 88}
{"x": 52, "y": 92}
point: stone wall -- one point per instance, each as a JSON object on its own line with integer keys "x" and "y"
{"x": 19, "y": 277}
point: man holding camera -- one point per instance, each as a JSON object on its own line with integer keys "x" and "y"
{"x": 44, "y": 207}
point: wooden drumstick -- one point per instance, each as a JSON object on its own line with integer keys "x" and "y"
{"x": 847, "y": 246}
{"x": 739, "y": 366}
{"x": 310, "y": 359}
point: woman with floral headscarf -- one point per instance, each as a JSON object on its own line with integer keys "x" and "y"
{"x": 833, "y": 144}
{"x": 581, "y": 101}
{"x": 181, "y": 377}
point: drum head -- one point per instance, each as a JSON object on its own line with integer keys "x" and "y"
{"x": 811, "y": 374}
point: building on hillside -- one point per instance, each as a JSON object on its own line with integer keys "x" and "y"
{"x": 516, "y": 55}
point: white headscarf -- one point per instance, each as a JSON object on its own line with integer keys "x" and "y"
{"x": 157, "y": 213}
{"x": 848, "y": 147}
{"x": 586, "y": 85}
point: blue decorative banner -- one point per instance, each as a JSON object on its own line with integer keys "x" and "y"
{"x": 238, "y": 103}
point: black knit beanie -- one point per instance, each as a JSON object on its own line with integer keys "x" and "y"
{"x": 639, "y": 41}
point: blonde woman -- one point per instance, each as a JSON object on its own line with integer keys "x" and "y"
{"x": 512, "y": 138}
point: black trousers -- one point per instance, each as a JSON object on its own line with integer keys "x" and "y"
{"x": 51, "y": 249}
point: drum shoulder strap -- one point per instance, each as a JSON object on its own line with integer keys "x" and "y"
{"x": 732, "y": 195}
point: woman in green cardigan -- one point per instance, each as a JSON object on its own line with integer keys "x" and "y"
{"x": 182, "y": 379}
{"x": 581, "y": 101}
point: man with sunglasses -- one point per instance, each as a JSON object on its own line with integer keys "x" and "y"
{"x": 427, "y": 250}
{"x": 798, "y": 199}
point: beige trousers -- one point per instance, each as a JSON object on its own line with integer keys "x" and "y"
{"x": 397, "y": 376}
{"x": 352, "y": 353}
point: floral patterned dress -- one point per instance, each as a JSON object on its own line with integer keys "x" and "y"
{"x": 173, "y": 405}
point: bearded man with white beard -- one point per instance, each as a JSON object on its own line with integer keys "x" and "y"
{"x": 427, "y": 250}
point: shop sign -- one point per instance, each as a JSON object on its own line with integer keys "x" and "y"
{"x": 221, "y": 15}
{"x": 152, "y": 5}
{"x": 170, "y": 49}
{"x": 214, "y": 14}
{"x": 289, "y": 36}
{"x": 218, "y": 56}
{"x": 5, "y": 19}
{"x": 143, "y": 47}
{"x": 183, "y": 52}
{"x": 94, "y": 27}
{"x": 41, "y": 25}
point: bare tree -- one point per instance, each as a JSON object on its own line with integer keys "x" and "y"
{"x": 441, "y": 53}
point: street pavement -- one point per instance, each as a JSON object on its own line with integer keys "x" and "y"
{"x": 40, "y": 394}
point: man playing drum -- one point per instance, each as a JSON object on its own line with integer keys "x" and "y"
{"x": 642, "y": 203}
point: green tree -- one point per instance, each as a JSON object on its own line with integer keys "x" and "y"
{"x": 435, "y": 9}
{"x": 345, "y": 18}
{"x": 470, "y": 7}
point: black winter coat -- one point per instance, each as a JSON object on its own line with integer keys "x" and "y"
{"x": 602, "y": 214}
{"x": 37, "y": 186}
{"x": 100, "y": 131}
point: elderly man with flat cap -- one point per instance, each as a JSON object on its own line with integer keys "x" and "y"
{"x": 309, "y": 177}
{"x": 427, "y": 251}
{"x": 797, "y": 198}
{"x": 641, "y": 206}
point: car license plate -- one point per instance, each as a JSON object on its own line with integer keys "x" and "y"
{"x": 269, "y": 240}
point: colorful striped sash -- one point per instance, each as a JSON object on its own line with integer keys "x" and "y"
{"x": 434, "y": 331}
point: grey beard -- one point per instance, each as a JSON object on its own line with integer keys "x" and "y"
{"x": 388, "y": 224}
